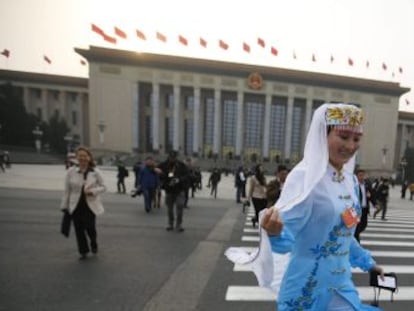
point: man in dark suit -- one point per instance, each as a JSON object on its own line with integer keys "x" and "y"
{"x": 174, "y": 180}
{"x": 366, "y": 196}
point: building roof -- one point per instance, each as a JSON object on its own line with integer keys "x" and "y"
{"x": 41, "y": 78}
{"x": 179, "y": 63}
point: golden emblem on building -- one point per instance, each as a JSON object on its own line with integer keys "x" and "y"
{"x": 255, "y": 81}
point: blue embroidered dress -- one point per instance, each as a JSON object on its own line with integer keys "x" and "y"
{"x": 322, "y": 248}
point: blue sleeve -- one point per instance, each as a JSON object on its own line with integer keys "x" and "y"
{"x": 293, "y": 222}
{"x": 360, "y": 257}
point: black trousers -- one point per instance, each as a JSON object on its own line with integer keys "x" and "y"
{"x": 362, "y": 225}
{"x": 84, "y": 221}
{"x": 259, "y": 205}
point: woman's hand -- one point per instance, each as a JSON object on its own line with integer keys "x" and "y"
{"x": 272, "y": 222}
{"x": 379, "y": 270}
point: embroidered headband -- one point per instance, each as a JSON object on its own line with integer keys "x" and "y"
{"x": 345, "y": 118}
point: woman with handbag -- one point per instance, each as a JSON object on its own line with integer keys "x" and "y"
{"x": 81, "y": 198}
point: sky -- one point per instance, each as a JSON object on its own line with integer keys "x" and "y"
{"x": 377, "y": 31}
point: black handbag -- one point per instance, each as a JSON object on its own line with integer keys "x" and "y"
{"x": 389, "y": 283}
{"x": 66, "y": 222}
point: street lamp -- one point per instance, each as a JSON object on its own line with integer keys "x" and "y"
{"x": 101, "y": 127}
{"x": 38, "y": 133}
{"x": 403, "y": 164}
{"x": 384, "y": 153}
{"x": 68, "y": 138}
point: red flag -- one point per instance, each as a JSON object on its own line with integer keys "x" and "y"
{"x": 246, "y": 47}
{"x": 47, "y": 59}
{"x": 120, "y": 33}
{"x": 83, "y": 63}
{"x": 5, "y": 53}
{"x": 98, "y": 30}
{"x": 350, "y": 61}
{"x": 161, "y": 37}
{"x": 400, "y": 69}
{"x": 203, "y": 42}
{"x": 223, "y": 45}
{"x": 141, "y": 35}
{"x": 384, "y": 66}
{"x": 274, "y": 51}
{"x": 261, "y": 42}
{"x": 367, "y": 64}
{"x": 109, "y": 38}
{"x": 182, "y": 40}
{"x": 332, "y": 59}
{"x": 313, "y": 58}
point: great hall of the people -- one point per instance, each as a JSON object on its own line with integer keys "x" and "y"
{"x": 149, "y": 103}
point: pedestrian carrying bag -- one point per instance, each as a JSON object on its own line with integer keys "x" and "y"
{"x": 389, "y": 283}
{"x": 66, "y": 222}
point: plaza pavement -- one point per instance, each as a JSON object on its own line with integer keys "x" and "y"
{"x": 51, "y": 177}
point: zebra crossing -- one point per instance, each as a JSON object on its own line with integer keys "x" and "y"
{"x": 391, "y": 243}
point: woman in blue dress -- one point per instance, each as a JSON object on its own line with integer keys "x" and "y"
{"x": 308, "y": 247}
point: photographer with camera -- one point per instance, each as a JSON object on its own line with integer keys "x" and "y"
{"x": 174, "y": 180}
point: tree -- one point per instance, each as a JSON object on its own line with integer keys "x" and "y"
{"x": 55, "y": 132}
{"x": 16, "y": 124}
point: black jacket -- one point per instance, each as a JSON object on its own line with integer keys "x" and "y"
{"x": 175, "y": 176}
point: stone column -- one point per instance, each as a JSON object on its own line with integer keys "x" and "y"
{"x": 177, "y": 119}
{"x": 308, "y": 115}
{"x": 196, "y": 120}
{"x": 266, "y": 134}
{"x": 135, "y": 115}
{"x": 239, "y": 124}
{"x": 155, "y": 116}
{"x": 217, "y": 121}
{"x": 289, "y": 116}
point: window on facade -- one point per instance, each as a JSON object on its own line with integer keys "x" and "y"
{"x": 39, "y": 113}
{"x": 229, "y": 123}
{"x": 73, "y": 96}
{"x": 188, "y": 136}
{"x": 298, "y": 120}
{"x": 55, "y": 95}
{"x": 316, "y": 104}
{"x": 148, "y": 132}
{"x": 169, "y": 101}
{"x": 57, "y": 113}
{"x": 37, "y": 93}
{"x": 189, "y": 103}
{"x": 278, "y": 127}
{"x": 254, "y": 119}
{"x": 209, "y": 121}
{"x": 148, "y": 99}
{"x": 74, "y": 118}
{"x": 169, "y": 134}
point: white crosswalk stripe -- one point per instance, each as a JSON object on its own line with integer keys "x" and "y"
{"x": 387, "y": 241}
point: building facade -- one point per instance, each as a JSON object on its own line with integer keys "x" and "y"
{"x": 148, "y": 103}
{"x": 48, "y": 95}
{"x": 203, "y": 108}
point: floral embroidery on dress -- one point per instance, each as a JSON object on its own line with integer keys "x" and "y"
{"x": 329, "y": 248}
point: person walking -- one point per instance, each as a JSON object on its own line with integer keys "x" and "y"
{"x": 366, "y": 197}
{"x": 307, "y": 243}
{"x": 81, "y": 199}
{"x": 257, "y": 192}
{"x": 240, "y": 183}
{"x": 122, "y": 174}
{"x": 213, "y": 181}
{"x": 382, "y": 195}
{"x": 174, "y": 174}
{"x": 149, "y": 181}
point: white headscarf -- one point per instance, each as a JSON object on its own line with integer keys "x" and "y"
{"x": 269, "y": 267}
